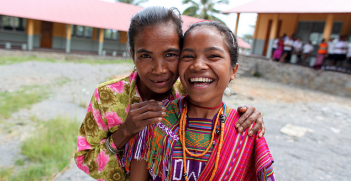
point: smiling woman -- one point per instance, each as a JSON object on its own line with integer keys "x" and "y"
{"x": 120, "y": 109}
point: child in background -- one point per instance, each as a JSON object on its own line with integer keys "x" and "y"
{"x": 307, "y": 52}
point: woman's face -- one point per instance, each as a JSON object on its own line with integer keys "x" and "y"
{"x": 156, "y": 56}
{"x": 205, "y": 68}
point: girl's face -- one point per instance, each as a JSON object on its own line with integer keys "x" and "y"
{"x": 205, "y": 68}
{"x": 156, "y": 56}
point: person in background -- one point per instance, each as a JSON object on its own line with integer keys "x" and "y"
{"x": 322, "y": 54}
{"x": 342, "y": 64}
{"x": 330, "y": 59}
{"x": 279, "y": 51}
{"x": 348, "y": 62}
{"x": 340, "y": 50}
{"x": 288, "y": 44}
{"x": 307, "y": 51}
{"x": 274, "y": 46}
{"x": 297, "y": 45}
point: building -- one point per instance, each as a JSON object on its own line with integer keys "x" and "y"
{"x": 80, "y": 26}
{"x": 311, "y": 20}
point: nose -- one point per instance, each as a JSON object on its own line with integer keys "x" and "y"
{"x": 159, "y": 66}
{"x": 198, "y": 65}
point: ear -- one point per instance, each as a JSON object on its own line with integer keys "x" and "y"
{"x": 233, "y": 71}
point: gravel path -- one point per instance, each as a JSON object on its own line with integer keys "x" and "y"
{"x": 324, "y": 154}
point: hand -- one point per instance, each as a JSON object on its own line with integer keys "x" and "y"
{"x": 143, "y": 114}
{"x": 248, "y": 117}
{"x": 140, "y": 115}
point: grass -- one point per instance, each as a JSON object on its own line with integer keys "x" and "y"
{"x": 5, "y": 173}
{"x": 48, "y": 150}
{"x": 20, "y": 59}
{"x": 13, "y": 101}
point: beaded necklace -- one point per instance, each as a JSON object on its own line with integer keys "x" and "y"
{"x": 185, "y": 150}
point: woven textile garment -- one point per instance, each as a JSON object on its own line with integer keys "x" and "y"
{"x": 241, "y": 158}
{"x": 107, "y": 110}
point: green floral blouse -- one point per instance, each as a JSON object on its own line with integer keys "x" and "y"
{"x": 107, "y": 110}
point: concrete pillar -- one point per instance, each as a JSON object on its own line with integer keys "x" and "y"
{"x": 254, "y": 36}
{"x": 101, "y": 41}
{"x": 328, "y": 26}
{"x": 237, "y": 24}
{"x": 68, "y": 38}
{"x": 272, "y": 35}
{"x": 30, "y": 23}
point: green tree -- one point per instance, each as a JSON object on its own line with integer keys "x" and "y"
{"x": 204, "y": 10}
{"x": 134, "y": 2}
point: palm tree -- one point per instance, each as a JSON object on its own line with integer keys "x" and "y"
{"x": 134, "y": 2}
{"x": 205, "y": 7}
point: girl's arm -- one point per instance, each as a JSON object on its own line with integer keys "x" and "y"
{"x": 138, "y": 170}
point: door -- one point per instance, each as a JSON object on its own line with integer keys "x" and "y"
{"x": 267, "y": 38}
{"x": 46, "y": 34}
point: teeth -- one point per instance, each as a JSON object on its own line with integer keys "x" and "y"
{"x": 200, "y": 80}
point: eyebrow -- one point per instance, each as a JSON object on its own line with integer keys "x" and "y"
{"x": 206, "y": 49}
{"x": 146, "y": 51}
{"x": 143, "y": 50}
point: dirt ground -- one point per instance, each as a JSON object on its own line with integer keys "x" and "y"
{"x": 323, "y": 154}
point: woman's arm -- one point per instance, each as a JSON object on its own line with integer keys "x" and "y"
{"x": 138, "y": 171}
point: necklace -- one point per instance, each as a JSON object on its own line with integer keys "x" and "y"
{"x": 206, "y": 107}
{"x": 185, "y": 150}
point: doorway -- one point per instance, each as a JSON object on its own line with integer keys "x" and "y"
{"x": 46, "y": 34}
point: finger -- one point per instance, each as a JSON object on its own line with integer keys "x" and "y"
{"x": 142, "y": 104}
{"x": 257, "y": 127}
{"x": 242, "y": 109}
{"x": 243, "y": 117}
{"x": 153, "y": 121}
{"x": 148, "y": 108}
{"x": 263, "y": 131}
{"x": 248, "y": 122}
{"x": 149, "y": 115}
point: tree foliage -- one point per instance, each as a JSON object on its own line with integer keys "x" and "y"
{"x": 204, "y": 10}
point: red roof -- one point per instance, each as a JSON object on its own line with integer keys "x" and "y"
{"x": 93, "y": 13}
{"x": 293, "y": 6}
{"x": 242, "y": 43}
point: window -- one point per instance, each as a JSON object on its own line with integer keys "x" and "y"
{"x": 12, "y": 23}
{"x": 82, "y": 31}
{"x": 111, "y": 35}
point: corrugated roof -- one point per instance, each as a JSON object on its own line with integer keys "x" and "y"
{"x": 93, "y": 13}
{"x": 243, "y": 44}
{"x": 293, "y": 6}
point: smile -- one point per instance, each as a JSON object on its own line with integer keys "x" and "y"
{"x": 201, "y": 81}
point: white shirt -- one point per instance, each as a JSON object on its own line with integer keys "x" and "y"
{"x": 307, "y": 48}
{"x": 275, "y": 43}
{"x": 349, "y": 52}
{"x": 338, "y": 47}
{"x": 330, "y": 47}
{"x": 288, "y": 42}
{"x": 346, "y": 45}
{"x": 297, "y": 45}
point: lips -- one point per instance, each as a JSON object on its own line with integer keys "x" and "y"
{"x": 160, "y": 82}
{"x": 200, "y": 81}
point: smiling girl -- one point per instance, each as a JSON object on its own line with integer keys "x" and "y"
{"x": 197, "y": 139}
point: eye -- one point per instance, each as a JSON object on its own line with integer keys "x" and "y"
{"x": 171, "y": 55}
{"x": 214, "y": 56}
{"x": 145, "y": 56}
{"x": 187, "y": 56}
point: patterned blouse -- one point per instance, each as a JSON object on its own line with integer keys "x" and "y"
{"x": 107, "y": 110}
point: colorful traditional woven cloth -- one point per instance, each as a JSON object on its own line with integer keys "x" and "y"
{"x": 242, "y": 157}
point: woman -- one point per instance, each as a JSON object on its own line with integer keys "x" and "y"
{"x": 121, "y": 108}
{"x": 278, "y": 52}
{"x": 196, "y": 139}
{"x": 322, "y": 53}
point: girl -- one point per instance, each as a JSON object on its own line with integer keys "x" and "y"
{"x": 197, "y": 139}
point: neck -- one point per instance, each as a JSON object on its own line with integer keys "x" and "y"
{"x": 197, "y": 112}
{"x": 147, "y": 94}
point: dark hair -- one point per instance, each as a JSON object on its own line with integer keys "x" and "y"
{"x": 151, "y": 16}
{"x": 230, "y": 39}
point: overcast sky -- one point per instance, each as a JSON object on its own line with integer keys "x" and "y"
{"x": 246, "y": 19}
